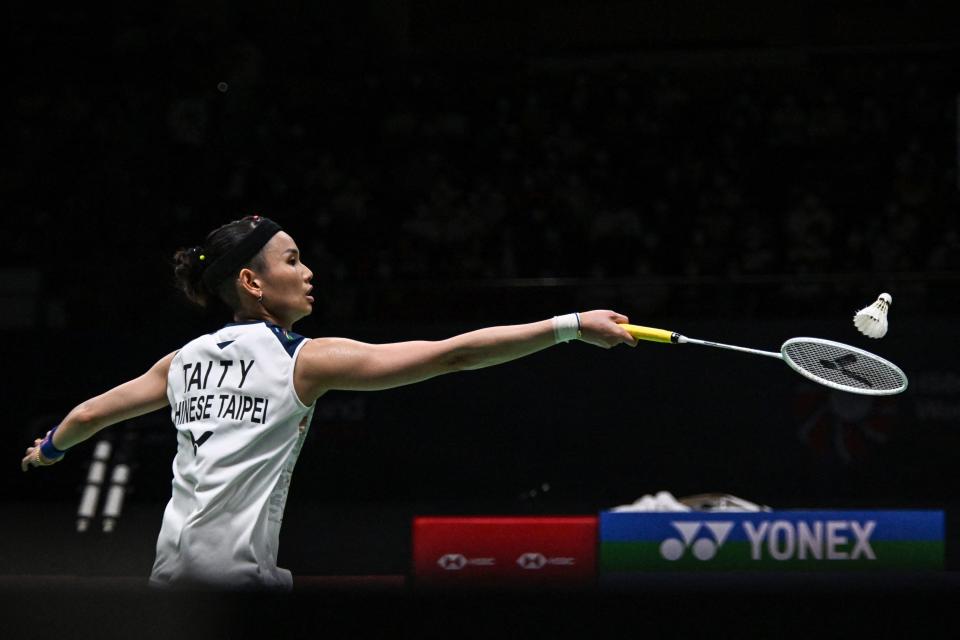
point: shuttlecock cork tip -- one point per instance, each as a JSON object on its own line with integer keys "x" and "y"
{"x": 871, "y": 321}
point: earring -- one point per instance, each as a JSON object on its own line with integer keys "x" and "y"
{"x": 260, "y": 299}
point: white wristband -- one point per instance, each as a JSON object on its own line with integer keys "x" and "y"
{"x": 566, "y": 328}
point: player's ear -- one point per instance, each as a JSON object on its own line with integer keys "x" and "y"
{"x": 250, "y": 282}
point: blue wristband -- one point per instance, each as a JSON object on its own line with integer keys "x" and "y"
{"x": 49, "y": 451}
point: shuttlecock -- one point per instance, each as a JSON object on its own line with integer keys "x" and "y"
{"x": 872, "y": 321}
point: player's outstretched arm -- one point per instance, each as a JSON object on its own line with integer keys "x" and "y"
{"x": 128, "y": 400}
{"x": 338, "y": 363}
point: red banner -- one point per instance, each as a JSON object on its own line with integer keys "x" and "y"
{"x": 505, "y": 551}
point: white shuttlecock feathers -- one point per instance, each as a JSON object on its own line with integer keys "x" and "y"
{"x": 872, "y": 321}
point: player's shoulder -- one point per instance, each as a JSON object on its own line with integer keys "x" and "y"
{"x": 289, "y": 340}
{"x": 326, "y": 345}
{"x": 325, "y": 351}
{"x": 162, "y": 366}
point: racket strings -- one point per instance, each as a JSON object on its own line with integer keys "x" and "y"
{"x": 844, "y": 368}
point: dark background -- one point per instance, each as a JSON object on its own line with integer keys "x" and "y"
{"x": 737, "y": 171}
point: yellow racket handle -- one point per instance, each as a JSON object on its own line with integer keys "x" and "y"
{"x": 649, "y": 333}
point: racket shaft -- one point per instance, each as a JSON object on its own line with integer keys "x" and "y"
{"x": 720, "y": 345}
{"x": 662, "y": 335}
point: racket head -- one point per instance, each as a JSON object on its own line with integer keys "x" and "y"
{"x": 840, "y": 366}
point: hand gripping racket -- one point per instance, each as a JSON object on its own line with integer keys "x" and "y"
{"x": 829, "y": 363}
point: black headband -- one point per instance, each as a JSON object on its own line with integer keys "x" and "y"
{"x": 234, "y": 259}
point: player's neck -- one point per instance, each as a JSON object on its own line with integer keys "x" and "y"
{"x": 264, "y": 315}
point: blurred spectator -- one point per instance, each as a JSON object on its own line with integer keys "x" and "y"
{"x": 835, "y": 162}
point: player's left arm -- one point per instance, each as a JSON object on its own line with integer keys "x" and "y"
{"x": 133, "y": 398}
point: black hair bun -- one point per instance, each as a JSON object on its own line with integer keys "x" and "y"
{"x": 188, "y": 265}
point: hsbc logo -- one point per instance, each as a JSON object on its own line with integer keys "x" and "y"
{"x": 533, "y": 560}
{"x": 530, "y": 560}
{"x": 458, "y": 561}
{"x": 776, "y": 540}
{"x": 452, "y": 561}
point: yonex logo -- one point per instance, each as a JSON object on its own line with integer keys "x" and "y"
{"x": 703, "y": 548}
{"x": 840, "y": 364}
{"x": 817, "y": 540}
{"x": 781, "y": 539}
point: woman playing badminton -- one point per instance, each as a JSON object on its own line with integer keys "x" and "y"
{"x": 241, "y": 399}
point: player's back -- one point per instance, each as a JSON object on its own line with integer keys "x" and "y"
{"x": 240, "y": 427}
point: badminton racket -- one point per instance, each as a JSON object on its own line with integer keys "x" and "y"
{"x": 825, "y": 362}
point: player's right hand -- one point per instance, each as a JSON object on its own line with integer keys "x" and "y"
{"x": 602, "y": 328}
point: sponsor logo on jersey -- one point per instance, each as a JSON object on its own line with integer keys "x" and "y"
{"x": 198, "y": 442}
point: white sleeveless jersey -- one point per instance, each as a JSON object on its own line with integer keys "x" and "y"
{"x": 240, "y": 427}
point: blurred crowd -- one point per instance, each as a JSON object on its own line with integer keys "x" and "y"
{"x": 811, "y": 163}
{"x": 821, "y": 168}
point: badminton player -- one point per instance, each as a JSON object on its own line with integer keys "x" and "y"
{"x": 241, "y": 399}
